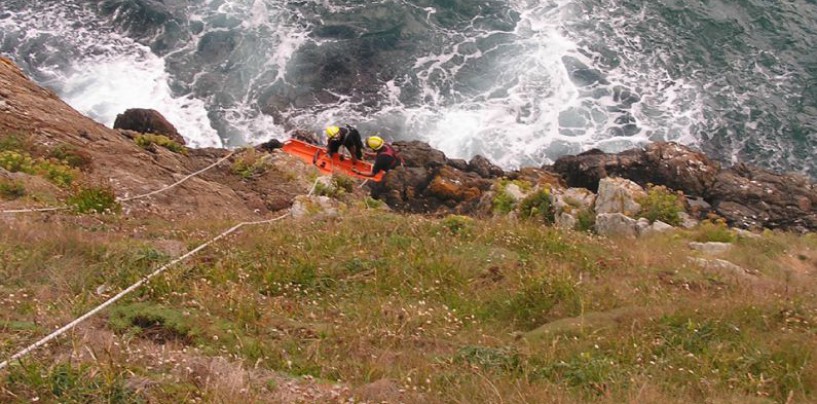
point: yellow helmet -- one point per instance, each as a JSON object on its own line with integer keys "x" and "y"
{"x": 332, "y": 131}
{"x": 374, "y": 142}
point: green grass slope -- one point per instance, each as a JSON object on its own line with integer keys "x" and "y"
{"x": 380, "y": 307}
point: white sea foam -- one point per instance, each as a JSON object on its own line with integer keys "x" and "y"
{"x": 107, "y": 73}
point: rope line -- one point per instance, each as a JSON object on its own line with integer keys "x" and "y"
{"x": 145, "y": 279}
{"x": 131, "y": 198}
{"x": 130, "y": 289}
{"x": 36, "y": 210}
{"x": 160, "y": 190}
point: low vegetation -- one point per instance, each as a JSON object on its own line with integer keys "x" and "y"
{"x": 94, "y": 199}
{"x": 453, "y": 309}
{"x": 53, "y": 170}
{"x": 149, "y": 141}
{"x": 661, "y": 204}
{"x": 10, "y": 189}
{"x": 537, "y": 206}
{"x": 249, "y": 164}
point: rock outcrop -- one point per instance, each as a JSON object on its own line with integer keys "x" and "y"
{"x": 676, "y": 166}
{"x": 147, "y": 121}
{"x": 752, "y": 197}
{"x": 747, "y": 197}
{"x": 427, "y": 183}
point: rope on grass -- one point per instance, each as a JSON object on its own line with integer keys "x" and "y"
{"x": 131, "y": 288}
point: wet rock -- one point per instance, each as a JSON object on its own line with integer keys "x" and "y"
{"x": 426, "y": 184}
{"x": 675, "y": 166}
{"x": 541, "y": 177}
{"x": 752, "y": 197}
{"x": 452, "y": 186}
{"x": 459, "y": 164}
{"x": 147, "y": 121}
{"x": 484, "y": 167}
{"x": 216, "y": 46}
{"x": 419, "y": 154}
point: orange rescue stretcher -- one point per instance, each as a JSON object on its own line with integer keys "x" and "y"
{"x": 317, "y": 156}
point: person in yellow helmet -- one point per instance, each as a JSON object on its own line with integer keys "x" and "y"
{"x": 347, "y": 137}
{"x": 386, "y": 157}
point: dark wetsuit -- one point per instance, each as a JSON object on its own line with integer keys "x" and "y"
{"x": 385, "y": 160}
{"x": 349, "y": 138}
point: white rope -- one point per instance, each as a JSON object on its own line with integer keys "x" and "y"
{"x": 71, "y": 325}
{"x": 36, "y": 210}
{"x": 130, "y": 289}
{"x": 160, "y": 190}
{"x": 132, "y": 198}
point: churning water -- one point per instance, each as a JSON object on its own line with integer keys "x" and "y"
{"x": 519, "y": 81}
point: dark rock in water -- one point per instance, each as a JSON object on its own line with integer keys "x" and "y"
{"x": 216, "y": 46}
{"x": 484, "y": 167}
{"x": 676, "y": 166}
{"x": 147, "y": 121}
{"x": 335, "y": 31}
{"x": 427, "y": 184}
{"x": 581, "y": 74}
{"x": 751, "y": 197}
{"x": 459, "y": 164}
{"x": 148, "y": 20}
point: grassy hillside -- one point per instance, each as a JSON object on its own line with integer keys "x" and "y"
{"x": 377, "y": 307}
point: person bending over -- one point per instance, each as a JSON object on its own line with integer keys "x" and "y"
{"x": 386, "y": 157}
{"x": 347, "y": 137}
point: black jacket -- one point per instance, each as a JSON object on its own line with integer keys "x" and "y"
{"x": 349, "y": 138}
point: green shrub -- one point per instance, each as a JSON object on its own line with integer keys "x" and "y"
{"x": 94, "y": 200}
{"x": 59, "y": 174}
{"x": 12, "y": 142}
{"x": 537, "y": 206}
{"x": 586, "y": 220}
{"x": 250, "y": 164}
{"x": 372, "y": 203}
{"x": 71, "y": 156}
{"x": 661, "y": 204}
{"x": 11, "y": 189}
{"x": 341, "y": 184}
{"x": 147, "y": 140}
{"x": 17, "y": 161}
{"x": 714, "y": 231}
{"x": 503, "y": 202}
{"x": 458, "y": 224}
{"x": 54, "y": 171}
{"x": 344, "y": 183}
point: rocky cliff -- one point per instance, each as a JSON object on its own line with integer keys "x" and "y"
{"x": 427, "y": 183}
